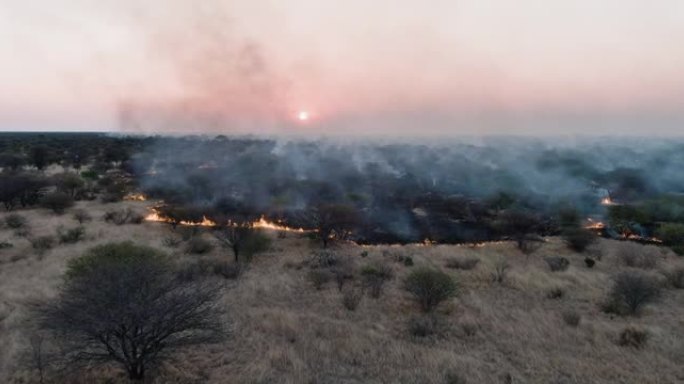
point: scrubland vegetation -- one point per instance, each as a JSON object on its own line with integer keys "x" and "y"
{"x": 353, "y": 284}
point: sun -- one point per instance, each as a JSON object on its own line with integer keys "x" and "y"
{"x": 303, "y": 116}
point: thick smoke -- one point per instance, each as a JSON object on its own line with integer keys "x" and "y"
{"x": 220, "y": 80}
{"x": 407, "y": 190}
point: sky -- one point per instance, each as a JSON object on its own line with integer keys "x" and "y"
{"x": 379, "y": 67}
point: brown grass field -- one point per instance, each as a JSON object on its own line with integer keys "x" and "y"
{"x": 282, "y": 330}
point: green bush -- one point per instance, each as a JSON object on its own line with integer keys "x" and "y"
{"x": 71, "y": 236}
{"x": 5, "y": 245}
{"x": 43, "y": 243}
{"x": 672, "y": 235}
{"x": 422, "y": 326}
{"x": 430, "y": 287}
{"x": 557, "y": 263}
{"x": 82, "y": 216}
{"x": 15, "y": 221}
{"x": 578, "y": 239}
{"x": 58, "y": 202}
{"x": 464, "y": 263}
{"x": 374, "y": 277}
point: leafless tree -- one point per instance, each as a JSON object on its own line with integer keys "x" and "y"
{"x": 334, "y": 222}
{"x": 125, "y": 304}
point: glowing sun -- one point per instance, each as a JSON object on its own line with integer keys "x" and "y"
{"x": 303, "y": 116}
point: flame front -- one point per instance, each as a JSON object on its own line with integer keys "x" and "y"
{"x": 262, "y": 223}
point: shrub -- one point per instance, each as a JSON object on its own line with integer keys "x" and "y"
{"x": 555, "y": 293}
{"x": 374, "y": 277}
{"x": 557, "y": 263}
{"x": 633, "y": 337}
{"x": 5, "y": 245}
{"x": 676, "y": 277}
{"x": 15, "y": 221}
{"x": 572, "y": 318}
{"x": 578, "y": 239}
{"x": 123, "y": 216}
{"x": 408, "y": 261}
{"x": 500, "y": 270}
{"x": 325, "y": 258}
{"x": 364, "y": 253}
{"x": 343, "y": 272}
{"x": 637, "y": 256}
{"x": 190, "y": 232}
{"x": 71, "y": 236}
{"x": 172, "y": 241}
{"x": 351, "y": 298}
{"x": 430, "y": 287}
{"x": 199, "y": 246}
{"x": 454, "y": 378}
{"x": 589, "y": 262}
{"x": 464, "y": 263}
{"x": 672, "y": 234}
{"x": 318, "y": 278}
{"x": 82, "y": 216}
{"x": 631, "y": 291}
{"x": 227, "y": 270}
{"x": 43, "y": 243}
{"x": 422, "y": 326}
{"x": 120, "y": 289}
{"x": 58, "y": 202}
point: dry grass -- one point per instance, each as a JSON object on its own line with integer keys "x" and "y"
{"x": 285, "y": 331}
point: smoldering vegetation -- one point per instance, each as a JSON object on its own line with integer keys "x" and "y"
{"x": 449, "y": 192}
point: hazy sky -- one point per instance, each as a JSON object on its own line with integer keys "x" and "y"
{"x": 362, "y": 66}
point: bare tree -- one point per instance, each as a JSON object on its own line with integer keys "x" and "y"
{"x": 334, "y": 222}
{"x": 125, "y": 304}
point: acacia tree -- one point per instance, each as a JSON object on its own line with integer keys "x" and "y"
{"x": 334, "y": 222}
{"x": 124, "y": 304}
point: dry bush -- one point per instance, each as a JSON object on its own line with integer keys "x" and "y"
{"x": 578, "y": 239}
{"x": 557, "y": 264}
{"x": 589, "y": 262}
{"x": 572, "y": 318}
{"x": 422, "y": 326}
{"x": 70, "y": 236}
{"x": 555, "y": 293}
{"x": 631, "y": 291}
{"x": 318, "y": 278}
{"x": 374, "y": 277}
{"x": 632, "y": 337}
{"x": 465, "y": 263}
{"x": 58, "y": 202}
{"x": 227, "y": 270}
{"x": 500, "y": 270}
{"x": 43, "y": 243}
{"x": 199, "y": 246}
{"x": 351, "y": 298}
{"x": 15, "y": 221}
{"x": 430, "y": 287}
{"x": 172, "y": 241}
{"x": 343, "y": 272}
{"x": 82, "y": 216}
{"x": 454, "y": 378}
{"x": 324, "y": 258}
{"x": 123, "y": 216}
{"x": 637, "y": 256}
{"x": 676, "y": 277}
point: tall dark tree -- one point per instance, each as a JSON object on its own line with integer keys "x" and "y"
{"x": 124, "y": 304}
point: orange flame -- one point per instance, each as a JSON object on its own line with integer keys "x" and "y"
{"x": 135, "y": 197}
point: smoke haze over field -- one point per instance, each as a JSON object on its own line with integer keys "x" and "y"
{"x": 357, "y": 67}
